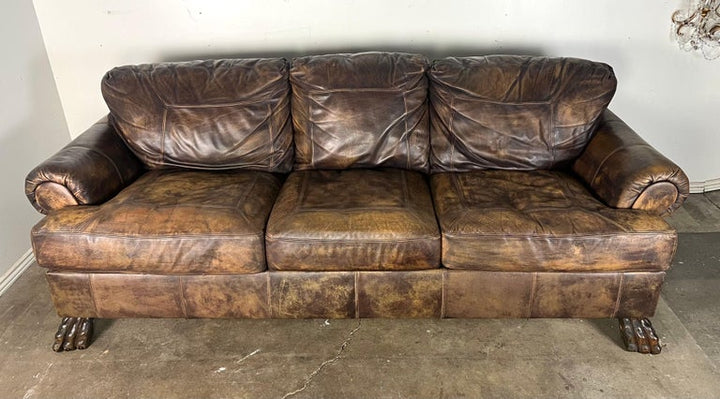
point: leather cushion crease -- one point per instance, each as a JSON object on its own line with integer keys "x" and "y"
{"x": 356, "y": 219}
{"x": 360, "y": 111}
{"x": 170, "y": 221}
{"x": 514, "y": 112}
{"x": 542, "y": 221}
{"x": 215, "y": 114}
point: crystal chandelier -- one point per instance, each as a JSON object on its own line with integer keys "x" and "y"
{"x": 698, "y": 27}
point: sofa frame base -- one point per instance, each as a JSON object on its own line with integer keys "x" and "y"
{"x": 638, "y": 335}
{"x": 437, "y": 293}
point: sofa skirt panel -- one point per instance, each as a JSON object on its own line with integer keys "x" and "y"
{"x": 439, "y": 293}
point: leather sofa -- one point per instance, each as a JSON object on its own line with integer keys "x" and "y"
{"x": 355, "y": 186}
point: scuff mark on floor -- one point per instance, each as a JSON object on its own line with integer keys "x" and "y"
{"x": 253, "y": 353}
{"x": 242, "y": 359}
{"x": 32, "y": 391}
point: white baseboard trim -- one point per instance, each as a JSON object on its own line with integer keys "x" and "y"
{"x": 700, "y": 187}
{"x": 711, "y": 185}
{"x": 697, "y": 187}
{"x": 16, "y": 270}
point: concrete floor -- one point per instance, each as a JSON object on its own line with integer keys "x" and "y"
{"x": 381, "y": 358}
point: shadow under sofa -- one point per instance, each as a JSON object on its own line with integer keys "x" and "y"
{"x": 353, "y": 186}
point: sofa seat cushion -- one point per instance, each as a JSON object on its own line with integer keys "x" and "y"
{"x": 357, "y": 219}
{"x": 538, "y": 221}
{"x": 169, "y": 221}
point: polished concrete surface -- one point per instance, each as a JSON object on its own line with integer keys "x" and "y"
{"x": 381, "y": 358}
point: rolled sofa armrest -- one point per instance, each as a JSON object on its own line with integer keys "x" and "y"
{"x": 626, "y": 172}
{"x": 90, "y": 170}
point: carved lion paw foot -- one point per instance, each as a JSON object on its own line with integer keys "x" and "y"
{"x": 73, "y": 333}
{"x": 639, "y": 336}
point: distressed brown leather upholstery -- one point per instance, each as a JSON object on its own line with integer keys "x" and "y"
{"x": 531, "y": 221}
{"x": 90, "y": 170}
{"x": 437, "y": 293}
{"x": 220, "y": 114}
{"x": 514, "y": 112}
{"x": 169, "y": 221}
{"x": 360, "y": 111}
{"x": 357, "y": 219}
{"x": 540, "y": 203}
{"x": 626, "y": 172}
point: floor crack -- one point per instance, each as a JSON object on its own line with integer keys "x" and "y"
{"x": 324, "y": 364}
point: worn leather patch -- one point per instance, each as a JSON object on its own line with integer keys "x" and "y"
{"x": 542, "y": 221}
{"x": 169, "y": 221}
{"x": 356, "y": 219}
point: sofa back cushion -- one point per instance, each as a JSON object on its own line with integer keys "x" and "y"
{"x": 218, "y": 114}
{"x": 360, "y": 111}
{"x": 514, "y": 112}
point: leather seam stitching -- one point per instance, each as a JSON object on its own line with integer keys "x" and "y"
{"x": 390, "y": 208}
{"x": 469, "y": 96}
{"x": 77, "y": 202}
{"x": 219, "y": 105}
{"x": 346, "y": 241}
{"x": 443, "y": 296}
{"x": 554, "y": 132}
{"x": 619, "y": 296}
{"x": 164, "y": 134}
{"x": 183, "y": 301}
{"x": 222, "y": 167}
{"x": 612, "y": 153}
{"x": 114, "y": 165}
{"x": 152, "y": 238}
{"x": 269, "y": 294}
{"x": 533, "y": 294}
{"x": 302, "y": 194}
{"x": 410, "y": 136}
{"x": 557, "y": 236}
{"x": 453, "y": 137}
{"x": 270, "y": 125}
{"x": 92, "y": 294}
{"x": 357, "y": 294}
{"x": 246, "y": 195}
{"x": 405, "y": 192}
{"x": 652, "y": 184}
{"x": 315, "y": 92}
{"x": 311, "y": 126}
{"x": 454, "y": 178}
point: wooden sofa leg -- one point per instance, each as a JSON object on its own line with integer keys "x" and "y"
{"x": 73, "y": 333}
{"x": 639, "y": 335}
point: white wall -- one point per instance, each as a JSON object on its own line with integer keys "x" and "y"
{"x": 32, "y": 125}
{"x": 670, "y": 97}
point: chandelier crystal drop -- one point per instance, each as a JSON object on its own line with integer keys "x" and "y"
{"x": 697, "y": 28}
